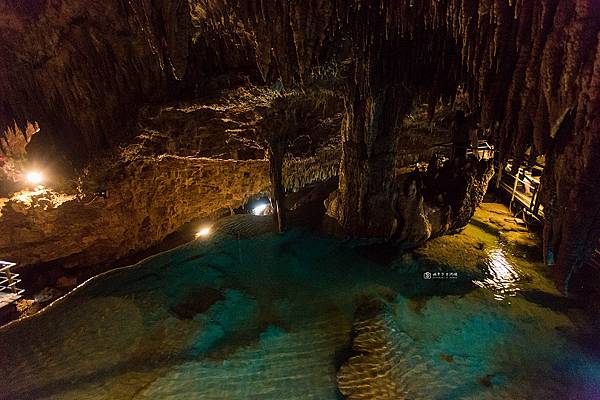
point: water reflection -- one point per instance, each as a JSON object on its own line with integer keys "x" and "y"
{"x": 501, "y": 277}
{"x": 270, "y": 317}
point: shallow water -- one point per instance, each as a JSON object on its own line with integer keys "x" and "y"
{"x": 270, "y": 317}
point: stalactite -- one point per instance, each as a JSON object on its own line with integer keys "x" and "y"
{"x": 299, "y": 172}
{"x": 277, "y": 146}
{"x": 81, "y": 68}
{"x": 530, "y": 68}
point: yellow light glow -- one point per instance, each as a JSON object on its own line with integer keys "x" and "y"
{"x": 203, "y": 232}
{"x": 27, "y": 196}
{"x": 502, "y": 277}
{"x": 35, "y": 177}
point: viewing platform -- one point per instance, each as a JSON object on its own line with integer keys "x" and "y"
{"x": 523, "y": 189}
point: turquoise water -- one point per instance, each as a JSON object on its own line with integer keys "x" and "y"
{"x": 239, "y": 316}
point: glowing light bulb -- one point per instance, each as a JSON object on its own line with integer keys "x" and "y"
{"x": 203, "y": 232}
{"x": 35, "y": 177}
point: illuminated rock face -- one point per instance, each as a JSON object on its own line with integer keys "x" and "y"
{"x": 416, "y": 206}
{"x": 190, "y": 161}
{"x": 154, "y": 197}
{"x": 531, "y": 69}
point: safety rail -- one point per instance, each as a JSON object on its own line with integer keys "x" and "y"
{"x": 594, "y": 261}
{"x": 9, "y": 292}
{"x": 527, "y": 196}
{"x": 484, "y": 150}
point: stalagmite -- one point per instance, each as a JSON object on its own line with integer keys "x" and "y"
{"x": 531, "y": 70}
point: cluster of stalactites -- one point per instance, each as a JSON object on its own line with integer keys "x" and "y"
{"x": 531, "y": 68}
{"x": 81, "y": 68}
{"x": 302, "y": 172}
{"x": 525, "y": 64}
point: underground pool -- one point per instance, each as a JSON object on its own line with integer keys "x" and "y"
{"x": 247, "y": 314}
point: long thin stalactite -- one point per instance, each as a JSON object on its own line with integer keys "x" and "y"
{"x": 530, "y": 68}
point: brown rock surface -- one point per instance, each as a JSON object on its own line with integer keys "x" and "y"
{"x": 190, "y": 161}
{"x": 531, "y": 70}
{"x": 153, "y": 198}
{"x": 419, "y": 206}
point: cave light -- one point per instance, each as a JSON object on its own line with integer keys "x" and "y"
{"x": 203, "y": 232}
{"x": 259, "y": 209}
{"x": 35, "y": 177}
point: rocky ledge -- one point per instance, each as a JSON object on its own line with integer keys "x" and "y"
{"x": 189, "y": 162}
{"x": 154, "y": 197}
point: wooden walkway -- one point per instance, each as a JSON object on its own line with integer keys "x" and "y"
{"x": 529, "y": 201}
{"x": 523, "y": 192}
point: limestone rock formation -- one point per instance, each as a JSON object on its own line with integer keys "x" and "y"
{"x": 153, "y": 197}
{"x": 424, "y": 204}
{"x": 190, "y": 161}
{"x": 385, "y": 364}
{"x": 13, "y": 155}
{"x": 530, "y": 69}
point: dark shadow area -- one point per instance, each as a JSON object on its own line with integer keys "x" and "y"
{"x": 554, "y": 302}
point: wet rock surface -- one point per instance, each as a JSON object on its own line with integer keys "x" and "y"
{"x": 191, "y": 161}
{"x": 386, "y": 362}
{"x": 267, "y": 329}
{"x": 389, "y": 359}
{"x": 530, "y": 69}
{"x": 197, "y": 301}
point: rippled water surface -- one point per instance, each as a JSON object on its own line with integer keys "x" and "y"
{"x": 270, "y": 317}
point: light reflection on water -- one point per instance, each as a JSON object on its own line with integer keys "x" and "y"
{"x": 269, "y": 317}
{"x": 501, "y": 276}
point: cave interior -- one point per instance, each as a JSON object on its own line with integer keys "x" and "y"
{"x": 128, "y": 128}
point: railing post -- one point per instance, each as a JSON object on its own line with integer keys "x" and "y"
{"x": 514, "y": 190}
{"x": 10, "y": 282}
{"x": 499, "y": 176}
{"x": 536, "y": 205}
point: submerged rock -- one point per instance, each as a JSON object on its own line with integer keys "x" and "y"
{"x": 197, "y": 301}
{"x": 386, "y": 365}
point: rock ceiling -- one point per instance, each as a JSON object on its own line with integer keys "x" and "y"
{"x": 531, "y": 70}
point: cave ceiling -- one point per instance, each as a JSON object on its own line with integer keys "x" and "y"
{"x": 531, "y": 70}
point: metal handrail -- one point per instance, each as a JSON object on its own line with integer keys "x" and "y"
{"x": 534, "y": 207}
{"x": 9, "y": 279}
{"x": 6, "y": 265}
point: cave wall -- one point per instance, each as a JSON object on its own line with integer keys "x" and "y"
{"x": 531, "y": 69}
{"x": 190, "y": 160}
{"x": 81, "y": 68}
{"x": 149, "y": 199}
